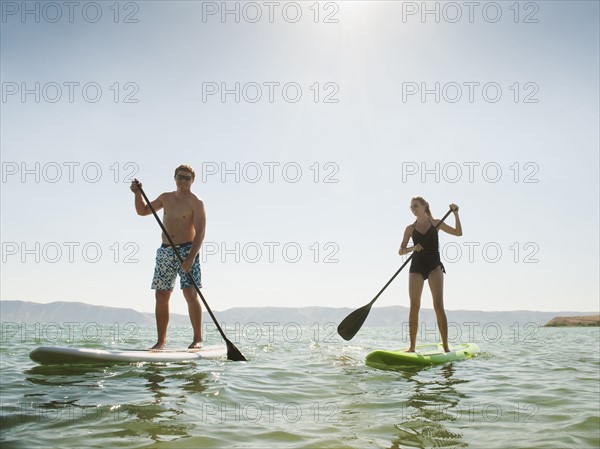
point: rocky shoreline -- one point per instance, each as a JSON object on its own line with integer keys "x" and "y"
{"x": 571, "y": 321}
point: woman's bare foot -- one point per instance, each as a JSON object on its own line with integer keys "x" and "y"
{"x": 158, "y": 346}
{"x": 196, "y": 344}
{"x": 409, "y": 350}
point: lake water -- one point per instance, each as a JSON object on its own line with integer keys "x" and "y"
{"x": 305, "y": 387}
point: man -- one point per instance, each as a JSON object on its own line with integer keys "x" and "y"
{"x": 185, "y": 220}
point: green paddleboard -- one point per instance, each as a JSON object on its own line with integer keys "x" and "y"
{"x": 428, "y": 354}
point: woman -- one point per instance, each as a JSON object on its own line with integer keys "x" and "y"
{"x": 426, "y": 264}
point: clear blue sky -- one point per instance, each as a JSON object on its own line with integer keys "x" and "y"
{"x": 513, "y": 139}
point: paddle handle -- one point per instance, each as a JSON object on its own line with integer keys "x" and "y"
{"x": 406, "y": 261}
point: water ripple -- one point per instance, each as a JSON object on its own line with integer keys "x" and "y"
{"x": 311, "y": 393}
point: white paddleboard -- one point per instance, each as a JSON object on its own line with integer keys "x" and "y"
{"x": 48, "y": 355}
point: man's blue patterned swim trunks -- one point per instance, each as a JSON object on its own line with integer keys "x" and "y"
{"x": 168, "y": 267}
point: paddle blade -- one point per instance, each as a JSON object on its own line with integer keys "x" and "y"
{"x": 353, "y": 322}
{"x": 234, "y": 353}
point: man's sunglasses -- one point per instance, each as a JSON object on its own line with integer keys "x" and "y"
{"x": 184, "y": 177}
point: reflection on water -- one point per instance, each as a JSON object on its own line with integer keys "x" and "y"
{"x": 170, "y": 386}
{"x": 64, "y": 395}
{"x": 431, "y": 403}
{"x": 155, "y": 382}
{"x": 517, "y": 389}
{"x": 57, "y": 374}
{"x": 419, "y": 404}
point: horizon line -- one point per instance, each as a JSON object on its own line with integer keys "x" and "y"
{"x": 310, "y": 306}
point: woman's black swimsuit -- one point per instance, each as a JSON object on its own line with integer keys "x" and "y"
{"x": 428, "y": 259}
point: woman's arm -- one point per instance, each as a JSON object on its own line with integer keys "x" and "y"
{"x": 403, "y": 249}
{"x": 457, "y": 229}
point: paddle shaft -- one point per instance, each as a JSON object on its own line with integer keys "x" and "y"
{"x": 406, "y": 261}
{"x": 166, "y": 233}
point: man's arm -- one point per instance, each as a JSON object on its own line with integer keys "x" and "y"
{"x": 200, "y": 228}
{"x": 140, "y": 206}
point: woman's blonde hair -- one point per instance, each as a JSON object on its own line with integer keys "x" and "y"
{"x": 423, "y": 202}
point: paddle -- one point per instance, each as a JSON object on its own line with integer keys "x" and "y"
{"x": 233, "y": 353}
{"x": 353, "y": 322}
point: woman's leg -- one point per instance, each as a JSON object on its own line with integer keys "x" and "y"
{"x": 415, "y": 288}
{"x": 436, "y": 284}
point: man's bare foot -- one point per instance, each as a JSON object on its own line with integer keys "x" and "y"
{"x": 446, "y": 349}
{"x": 410, "y": 350}
{"x": 196, "y": 344}
{"x": 158, "y": 346}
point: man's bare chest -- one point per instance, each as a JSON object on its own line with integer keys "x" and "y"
{"x": 179, "y": 209}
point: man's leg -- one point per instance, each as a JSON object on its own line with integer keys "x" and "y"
{"x": 195, "y": 311}
{"x": 161, "y": 310}
{"x": 165, "y": 273}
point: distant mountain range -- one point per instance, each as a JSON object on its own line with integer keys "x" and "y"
{"x": 63, "y": 312}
